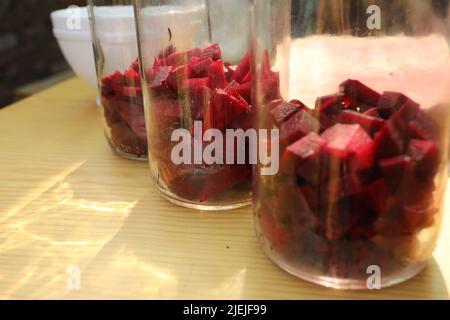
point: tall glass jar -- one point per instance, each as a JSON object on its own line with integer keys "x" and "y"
{"x": 197, "y": 88}
{"x": 363, "y": 134}
{"x": 115, "y": 47}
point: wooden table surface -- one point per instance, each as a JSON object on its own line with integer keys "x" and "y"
{"x": 67, "y": 203}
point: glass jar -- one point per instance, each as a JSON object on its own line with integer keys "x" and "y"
{"x": 115, "y": 47}
{"x": 363, "y": 137}
{"x": 197, "y": 88}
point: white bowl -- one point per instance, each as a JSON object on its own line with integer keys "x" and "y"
{"x": 76, "y": 44}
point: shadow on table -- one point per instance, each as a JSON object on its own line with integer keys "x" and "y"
{"x": 106, "y": 218}
{"x": 171, "y": 252}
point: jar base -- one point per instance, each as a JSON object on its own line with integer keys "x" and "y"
{"x": 125, "y": 155}
{"x": 202, "y": 207}
{"x": 342, "y": 283}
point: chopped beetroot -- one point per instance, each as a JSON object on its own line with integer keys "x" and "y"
{"x": 200, "y": 68}
{"x": 397, "y": 173}
{"x": 311, "y": 194}
{"x": 303, "y": 157}
{"x": 231, "y": 87}
{"x": 201, "y": 185}
{"x": 329, "y": 108}
{"x": 132, "y": 92}
{"x": 244, "y": 90}
{"x": 425, "y": 155}
{"x": 389, "y": 142}
{"x": 349, "y": 143}
{"x": 275, "y": 233}
{"x": 340, "y": 187}
{"x": 270, "y": 80}
{"x": 166, "y": 52}
{"x": 391, "y": 102}
{"x": 332, "y": 105}
{"x": 132, "y": 78}
{"x": 199, "y": 96}
{"x": 166, "y": 112}
{"x": 372, "y": 112}
{"x": 177, "y": 77}
{"x": 284, "y": 112}
{"x": 135, "y": 65}
{"x": 217, "y": 75}
{"x": 371, "y": 124}
{"x": 176, "y": 59}
{"x": 244, "y": 121}
{"x": 376, "y": 196}
{"x": 223, "y": 109}
{"x": 301, "y": 105}
{"x": 213, "y": 52}
{"x": 422, "y": 127}
{"x": 247, "y": 78}
{"x": 242, "y": 69}
{"x": 158, "y": 80}
{"x": 346, "y": 138}
{"x": 416, "y": 217}
{"x": 360, "y": 94}
{"x": 299, "y": 125}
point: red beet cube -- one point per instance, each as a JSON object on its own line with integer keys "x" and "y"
{"x": 329, "y": 108}
{"x": 373, "y": 112}
{"x": 200, "y": 68}
{"x": 423, "y": 127}
{"x": 231, "y": 87}
{"x": 284, "y": 112}
{"x": 135, "y": 65}
{"x": 299, "y": 125}
{"x": 360, "y": 94}
{"x": 376, "y": 196}
{"x": 217, "y": 75}
{"x": 247, "y": 78}
{"x": 332, "y": 105}
{"x": 203, "y": 183}
{"x": 223, "y": 109}
{"x": 350, "y": 140}
{"x": 167, "y": 52}
{"x": 199, "y": 95}
{"x": 397, "y": 173}
{"x": 270, "y": 80}
{"x": 425, "y": 155}
{"x": 348, "y": 144}
{"x": 371, "y": 124}
{"x": 132, "y": 92}
{"x": 244, "y": 90}
{"x": 178, "y": 76}
{"x": 303, "y": 157}
{"x": 340, "y": 187}
{"x": 132, "y": 78}
{"x": 414, "y": 218}
{"x": 158, "y": 79}
{"x": 213, "y": 52}
{"x": 389, "y": 142}
{"x": 390, "y": 102}
{"x": 242, "y": 69}
{"x": 275, "y": 233}
{"x": 244, "y": 121}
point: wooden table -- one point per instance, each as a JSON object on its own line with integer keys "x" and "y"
{"x": 67, "y": 203}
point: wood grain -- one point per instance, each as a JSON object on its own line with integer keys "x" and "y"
{"x": 67, "y": 200}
